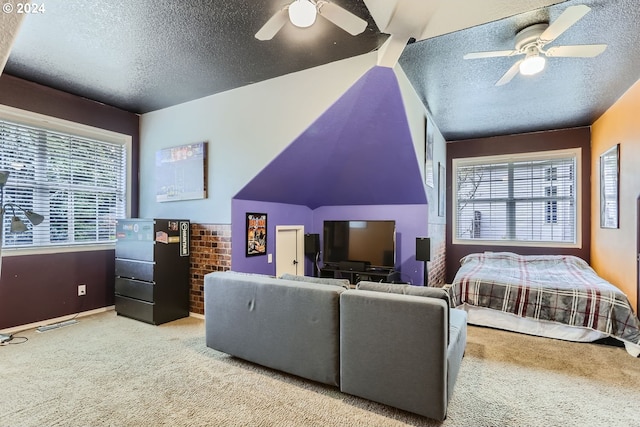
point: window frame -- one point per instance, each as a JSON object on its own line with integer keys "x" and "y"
{"x": 524, "y": 156}
{"x": 38, "y": 120}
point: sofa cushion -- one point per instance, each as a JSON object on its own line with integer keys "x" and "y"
{"x": 457, "y": 345}
{"x": 421, "y": 291}
{"x": 318, "y": 280}
{"x": 393, "y": 350}
{"x": 276, "y": 323}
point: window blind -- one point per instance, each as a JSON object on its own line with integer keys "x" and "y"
{"x": 78, "y": 184}
{"x": 521, "y": 199}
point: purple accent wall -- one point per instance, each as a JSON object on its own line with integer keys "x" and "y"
{"x": 411, "y": 222}
{"x": 355, "y": 162}
{"x": 359, "y": 152}
{"x": 34, "y": 288}
{"x": 277, "y": 214}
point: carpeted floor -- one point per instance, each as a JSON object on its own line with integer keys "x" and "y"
{"x": 108, "y": 370}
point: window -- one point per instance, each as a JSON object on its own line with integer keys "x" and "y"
{"x": 524, "y": 199}
{"x": 77, "y": 183}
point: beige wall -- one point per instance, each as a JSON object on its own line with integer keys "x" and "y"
{"x": 614, "y": 251}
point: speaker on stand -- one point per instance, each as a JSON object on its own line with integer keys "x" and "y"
{"x": 312, "y": 250}
{"x": 423, "y": 253}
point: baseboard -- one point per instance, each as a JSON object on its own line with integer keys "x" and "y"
{"x": 13, "y": 330}
{"x": 196, "y": 315}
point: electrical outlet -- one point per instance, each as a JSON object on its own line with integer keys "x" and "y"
{"x": 82, "y": 290}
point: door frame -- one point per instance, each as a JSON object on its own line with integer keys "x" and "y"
{"x": 299, "y": 229}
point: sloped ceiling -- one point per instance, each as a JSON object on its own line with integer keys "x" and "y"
{"x": 359, "y": 152}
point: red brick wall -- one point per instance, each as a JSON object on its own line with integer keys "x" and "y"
{"x": 437, "y": 265}
{"x": 210, "y": 251}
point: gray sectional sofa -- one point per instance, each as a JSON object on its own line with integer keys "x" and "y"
{"x": 399, "y": 345}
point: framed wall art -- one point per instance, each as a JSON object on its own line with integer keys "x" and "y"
{"x": 610, "y": 188}
{"x": 428, "y": 152}
{"x": 256, "y": 234}
{"x": 181, "y": 173}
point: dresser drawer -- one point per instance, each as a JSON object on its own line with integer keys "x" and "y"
{"x": 136, "y": 309}
{"x": 134, "y": 289}
{"x": 133, "y": 249}
{"x": 134, "y": 269}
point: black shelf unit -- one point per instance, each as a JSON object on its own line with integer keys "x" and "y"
{"x": 152, "y": 269}
{"x": 354, "y": 276}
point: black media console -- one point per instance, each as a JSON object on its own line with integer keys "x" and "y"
{"x": 386, "y": 275}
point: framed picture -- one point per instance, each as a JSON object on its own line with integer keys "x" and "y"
{"x": 181, "y": 173}
{"x": 256, "y": 234}
{"x": 442, "y": 187}
{"x": 428, "y": 152}
{"x": 610, "y": 188}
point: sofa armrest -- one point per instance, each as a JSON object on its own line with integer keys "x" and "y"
{"x": 393, "y": 350}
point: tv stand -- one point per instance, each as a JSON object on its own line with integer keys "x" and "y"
{"x": 385, "y": 275}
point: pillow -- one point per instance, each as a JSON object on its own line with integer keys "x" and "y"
{"x": 319, "y": 280}
{"x": 421, "y": 291}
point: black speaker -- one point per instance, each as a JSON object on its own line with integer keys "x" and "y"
{"x": 311, "y": 244}
{"x": 423, "y": 249}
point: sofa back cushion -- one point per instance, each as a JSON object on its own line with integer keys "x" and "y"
{"x": 281, "y": 324}
{"x": 422, "y": 291}
{"x": 318, "y": 280}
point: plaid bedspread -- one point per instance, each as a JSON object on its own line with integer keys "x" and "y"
{"x": 556, "y": 288}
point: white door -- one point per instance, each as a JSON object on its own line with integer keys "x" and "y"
{"x": 289, "y": 250}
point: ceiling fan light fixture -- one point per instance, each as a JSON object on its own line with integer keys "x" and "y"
{"x": 302, "y": 13}
{"x": 532, "y": 64}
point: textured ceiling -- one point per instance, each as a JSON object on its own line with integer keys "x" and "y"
{"x": 145, "y": 55}
{"x": 465, "y": 103}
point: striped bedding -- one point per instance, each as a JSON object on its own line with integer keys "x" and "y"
{"x": 554, "y": 288}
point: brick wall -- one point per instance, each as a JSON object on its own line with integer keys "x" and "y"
{"x": 437, "y": 265}
{"x": 210, "y": 251}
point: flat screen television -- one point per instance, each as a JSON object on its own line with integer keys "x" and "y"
{"x": 372, "y": 242}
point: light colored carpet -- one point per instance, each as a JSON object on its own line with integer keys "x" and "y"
{"x": 108, "y": 370}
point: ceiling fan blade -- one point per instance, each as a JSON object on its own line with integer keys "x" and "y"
{"x": 510, "y": 74}
{"x": 570, "y": 16}
{"x": 344, "y": 19}
{"x": 494, "y": 54}
{"x": 273, "y": 25}
{"x": 577, "y": 51}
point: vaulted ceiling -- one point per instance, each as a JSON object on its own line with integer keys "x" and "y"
{"x": 145, "y": 55}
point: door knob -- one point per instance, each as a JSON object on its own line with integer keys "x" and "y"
{"x": 295, "y": 262}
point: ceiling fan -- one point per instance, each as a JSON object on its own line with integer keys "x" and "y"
{"x": 303, "y": 13}
{"x": 531, "y": 42}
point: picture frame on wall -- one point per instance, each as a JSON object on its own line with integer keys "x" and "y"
{"x": 442, "y": 187}
{"x": 181, "y": 173}
{"x": 256, "y": 234}
{"x": 428, "y": 152}
{"x": 610, "y": 188}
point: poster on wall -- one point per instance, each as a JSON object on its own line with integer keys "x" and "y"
{"x": 181, "y": 173}
{"x": 428, "y": 152}
{"x": 256, "y": 234}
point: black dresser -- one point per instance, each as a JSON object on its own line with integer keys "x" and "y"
{"x": 152, "y": 269}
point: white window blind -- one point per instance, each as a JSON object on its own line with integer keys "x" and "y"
{"x": 521, "y": 198}
{"x": 78, "y": 184}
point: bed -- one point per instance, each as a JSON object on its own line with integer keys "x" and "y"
{"x": 554, "y": 296}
